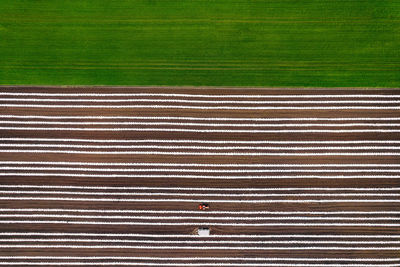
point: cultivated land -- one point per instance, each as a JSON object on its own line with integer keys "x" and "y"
{"x": 224, "y": 42}
{"x": 300, "y": 177}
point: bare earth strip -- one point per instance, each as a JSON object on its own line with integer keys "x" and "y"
{"x": 303, "y": 180}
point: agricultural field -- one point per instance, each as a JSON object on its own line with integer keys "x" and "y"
{"x": 213, "y": 43}
{"x": 131, "y": 176}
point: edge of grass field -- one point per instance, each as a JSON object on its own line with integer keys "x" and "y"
{"x": 198, "y": 87}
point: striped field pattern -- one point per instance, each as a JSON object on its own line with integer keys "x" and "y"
{"x": 114, "y": 176}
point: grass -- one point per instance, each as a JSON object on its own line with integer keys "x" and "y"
{"x": 335, "y": 43}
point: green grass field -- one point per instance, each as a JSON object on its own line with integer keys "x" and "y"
{"x": 201, "y": 42}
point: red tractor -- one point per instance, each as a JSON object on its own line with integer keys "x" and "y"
{"x": 204, "y": 206}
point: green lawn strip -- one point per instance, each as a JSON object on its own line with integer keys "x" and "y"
{"x": 214, "y": 43}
